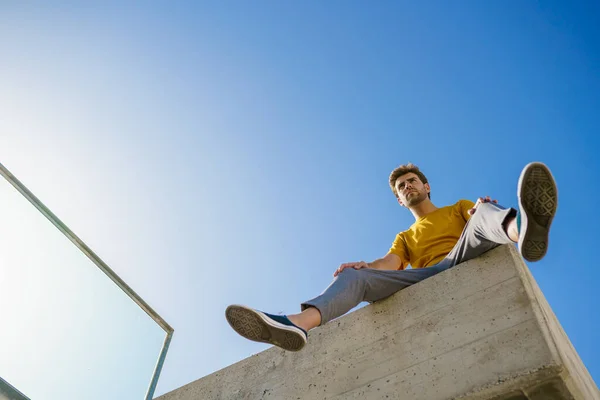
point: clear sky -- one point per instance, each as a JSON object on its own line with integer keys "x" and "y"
{"x": 238, "y": 152}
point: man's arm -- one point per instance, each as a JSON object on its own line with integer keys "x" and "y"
{"x": 389, "y": 262}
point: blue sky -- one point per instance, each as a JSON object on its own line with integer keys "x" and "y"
{"x": 238, "y": 152}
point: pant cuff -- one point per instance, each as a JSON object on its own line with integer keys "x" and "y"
{"x": 309, "y": 304}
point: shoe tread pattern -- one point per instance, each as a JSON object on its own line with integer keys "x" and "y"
{"x": 539, "y": 198}
{"x": 252, "y": 327}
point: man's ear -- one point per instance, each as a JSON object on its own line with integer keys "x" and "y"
{"x": 400, "y": 201}
{"x": 427, "y": 187}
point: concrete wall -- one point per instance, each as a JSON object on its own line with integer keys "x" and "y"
{"x": 481, "y": 330}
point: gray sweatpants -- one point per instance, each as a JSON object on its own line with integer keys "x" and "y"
{"x": 483, "y": 232}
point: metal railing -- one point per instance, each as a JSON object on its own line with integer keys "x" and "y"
{"x": 9, "y": 392}
{"x": 105, "y": 268}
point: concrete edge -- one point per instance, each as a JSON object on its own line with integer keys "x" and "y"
{"x": 513, "y": 382}
{"x": 577, "y": 379}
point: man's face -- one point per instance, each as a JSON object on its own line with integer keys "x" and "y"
{"x": 411, "y": 191}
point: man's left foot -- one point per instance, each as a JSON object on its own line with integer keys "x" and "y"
{"x": 538, "y": 200}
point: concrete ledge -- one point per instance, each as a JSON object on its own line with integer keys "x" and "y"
{"x": 481, "y": 330}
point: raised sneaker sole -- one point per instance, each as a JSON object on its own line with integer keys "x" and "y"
{"x": 538, "y": 200}
{"x": 255, "y": 325}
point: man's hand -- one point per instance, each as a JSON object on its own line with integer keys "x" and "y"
{"x": 355, "y": 265}
{"x": 480, "y": 200}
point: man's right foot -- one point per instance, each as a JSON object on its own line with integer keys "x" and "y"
{"x": 266, "y": 328}
{"x": 538, "y": 200}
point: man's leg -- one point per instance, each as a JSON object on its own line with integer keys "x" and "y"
{"x": 348, "y": 289}
{"x": 352, "y": 286}
{"x": 485, "y": 230}
{"x": 492, "y": 225}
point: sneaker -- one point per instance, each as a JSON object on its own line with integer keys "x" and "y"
{"x": 266, "y": 328}
{"x": 538, "y": 199}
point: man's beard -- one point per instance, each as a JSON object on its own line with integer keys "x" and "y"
{"x": 416, "y": 199}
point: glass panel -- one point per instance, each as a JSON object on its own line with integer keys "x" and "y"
{"x": 68, "y": 331}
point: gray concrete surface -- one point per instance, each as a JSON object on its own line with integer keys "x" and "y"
{"x": 482, "y": 330}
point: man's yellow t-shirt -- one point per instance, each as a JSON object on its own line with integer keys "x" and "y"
{"x": 433, "y": 236}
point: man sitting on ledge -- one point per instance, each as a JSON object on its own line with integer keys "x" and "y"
{"x": 439, "y": 239}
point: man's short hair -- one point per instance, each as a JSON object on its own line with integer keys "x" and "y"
{"x": 403, "y": 170}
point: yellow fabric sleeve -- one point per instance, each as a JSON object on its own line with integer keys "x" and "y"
{"x": 399, "y": 248}
{"x": 465, "y": 206}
